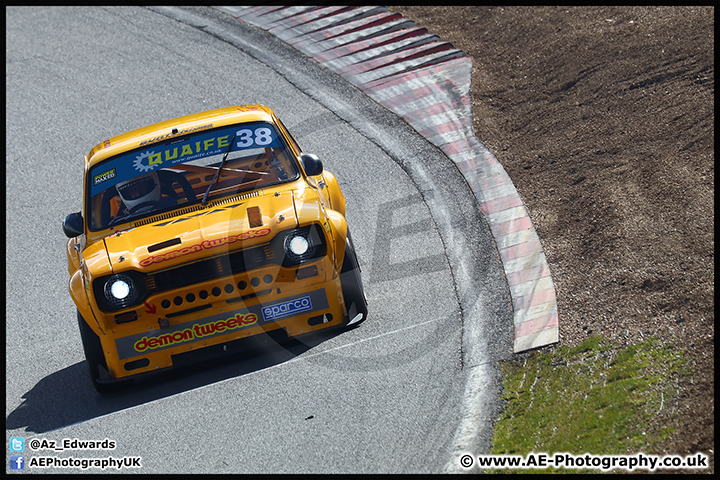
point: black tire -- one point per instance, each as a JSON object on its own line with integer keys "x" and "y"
{"x": 94, "y": 357}
{"x": 352, "y": 286}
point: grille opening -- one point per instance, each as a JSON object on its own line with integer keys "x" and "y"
{"x": 161, "y": 245}
{"x": 189, "y": 310}
{"x": 320, "y": 319}
{"x": 250, "y": 295}
{"x": 126, "y": 317}
{"x": 135, "y": 364}
{"x": 306, "y": 272}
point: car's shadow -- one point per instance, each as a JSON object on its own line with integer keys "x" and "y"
{"x": 67, "y": 397}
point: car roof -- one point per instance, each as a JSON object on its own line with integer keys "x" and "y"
{"x": 195, "y": 122}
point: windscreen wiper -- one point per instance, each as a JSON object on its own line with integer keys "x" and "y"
{"x": 217, "y": 174}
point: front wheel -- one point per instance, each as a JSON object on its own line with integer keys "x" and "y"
{"x": 352, "y": 287}
{"x": 95, "y": 357}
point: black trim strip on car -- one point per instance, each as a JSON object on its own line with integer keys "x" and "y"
{"x": 189, "y": 310}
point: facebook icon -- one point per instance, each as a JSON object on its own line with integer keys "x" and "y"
{"x": 17, "y": 462}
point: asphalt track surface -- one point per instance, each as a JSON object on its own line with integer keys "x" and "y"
{"x": 395, "y": 395}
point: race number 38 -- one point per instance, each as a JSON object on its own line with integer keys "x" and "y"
{"x": 260, "y": 136}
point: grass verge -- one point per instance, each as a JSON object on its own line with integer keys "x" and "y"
{"x": 593, "y": 398}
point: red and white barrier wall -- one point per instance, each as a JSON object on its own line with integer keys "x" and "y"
{"x": 427, "y": 82}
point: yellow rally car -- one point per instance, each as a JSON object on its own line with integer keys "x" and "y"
{"x": 200, "y": 231}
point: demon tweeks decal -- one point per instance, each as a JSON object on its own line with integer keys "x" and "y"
{"x": 205, "y": 245}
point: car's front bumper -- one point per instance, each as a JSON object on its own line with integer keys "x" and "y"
{"x": 158, "y": 341}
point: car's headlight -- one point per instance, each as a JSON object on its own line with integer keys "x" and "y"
{"x": 298, "y": 245}
{"x": 120, "y": 290}
{"x": 303, "y": 244}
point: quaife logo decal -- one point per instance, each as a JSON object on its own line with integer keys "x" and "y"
{"x": 154, "y": 153}
{"x": 279, "y": 310}
{"x": 197, "y": 332}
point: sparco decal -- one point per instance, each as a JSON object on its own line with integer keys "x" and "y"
{"x": 284, "y": 309}
{"x": 205, "y": 245}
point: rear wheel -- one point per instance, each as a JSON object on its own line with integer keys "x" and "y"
{"x": 95, "y": 357}
{"x": 352, "y": 287}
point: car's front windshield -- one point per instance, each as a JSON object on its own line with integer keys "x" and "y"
{"x": 179, "y": 172}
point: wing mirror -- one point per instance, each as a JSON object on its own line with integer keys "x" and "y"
{"x": 311, "y": 164}
{"x": 73, "y": 225}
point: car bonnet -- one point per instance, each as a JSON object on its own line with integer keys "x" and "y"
{"x": 203, "y": 233}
